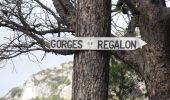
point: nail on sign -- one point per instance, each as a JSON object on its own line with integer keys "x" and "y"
{"x": 96, "y": 43}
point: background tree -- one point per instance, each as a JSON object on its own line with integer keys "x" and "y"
{"x": 32, "y": 30}
{"x": 124, "y": 83}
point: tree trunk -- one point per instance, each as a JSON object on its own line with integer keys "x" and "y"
{"x": 156, "y": 53}
{"x": 91, "y": 68}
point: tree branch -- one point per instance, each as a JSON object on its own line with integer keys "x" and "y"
{"x": 56, "y": 30}
{"x": 15, "y": 18}
{"x": 48, "y": 9}
{"x": 132, "y": 58}
{"x": 66, "y": 11}
{"x": 130, "y": 31}
{"x": 131, "y": 5}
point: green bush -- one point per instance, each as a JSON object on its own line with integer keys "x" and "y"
{"x": 122, "y": 82}
{"x": 16, "y": 91}
{"x": 53, "y": 85}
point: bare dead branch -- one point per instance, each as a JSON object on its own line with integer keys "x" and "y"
{"x": 131, "y": 6}
{"x": 130, "y": 31}
{"x": 48, "y": 9}
{"x": 66, "y": 11}
{"x": 30, "y": 28}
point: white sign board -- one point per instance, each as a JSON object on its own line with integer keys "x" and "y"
{"x": 96, "y": 43}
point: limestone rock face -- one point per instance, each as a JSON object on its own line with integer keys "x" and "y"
{"x": 49, "y": 84}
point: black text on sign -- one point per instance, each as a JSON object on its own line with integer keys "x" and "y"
{"x": 96, "y": 43}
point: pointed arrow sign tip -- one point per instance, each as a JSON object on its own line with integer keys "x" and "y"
{"x": 141, "y": 43}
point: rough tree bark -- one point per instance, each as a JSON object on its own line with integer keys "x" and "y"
{"x": 91, "y": 68}
{"x": 152, "y": 61}
{"x": 154, "y": 27}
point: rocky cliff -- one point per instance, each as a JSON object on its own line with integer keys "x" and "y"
{"x": 49, "y": 84}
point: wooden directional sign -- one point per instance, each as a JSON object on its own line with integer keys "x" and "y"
{"x": 96, "y": 43}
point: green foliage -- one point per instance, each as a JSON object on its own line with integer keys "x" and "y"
{"x": 51, "y": 97}
{"x": 16, "y": 91}
{"x": 1, "y": 98}
{"x": 59, "y": 79}
{"x": 43, "y": 98}
{"x": 53, "y": 85}
{"x": 122, "y": 82}
{"x": 54, "y": 97}
{"x": 67, "y": 82}
{"x": 36, "y": 98}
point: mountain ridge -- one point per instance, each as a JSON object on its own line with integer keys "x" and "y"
{"x": 48, "y": 84}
